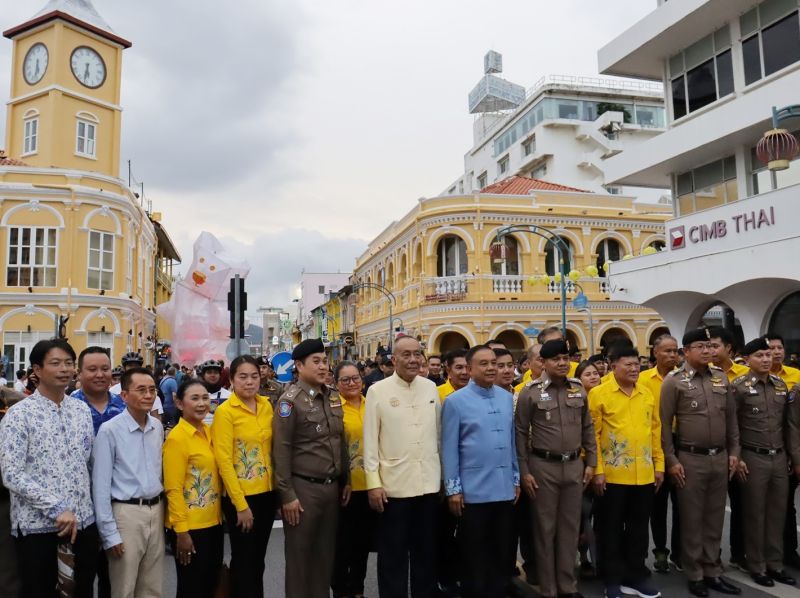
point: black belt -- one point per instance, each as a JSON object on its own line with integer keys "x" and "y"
{"x": 696, "y": 450}
{"x": 556, "y": 456}
{"x": 308, "y": 478}
{"x": 762, "y": 451}
{"x": 142, "y": 502}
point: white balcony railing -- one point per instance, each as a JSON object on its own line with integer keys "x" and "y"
{"x": 508, "y": 284}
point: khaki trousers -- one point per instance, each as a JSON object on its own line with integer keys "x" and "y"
{"x": 556, "y": 512}
{"x": 139, "y": 573}
{"x": 764, "y": 510}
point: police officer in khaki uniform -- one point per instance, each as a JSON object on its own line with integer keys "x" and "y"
{"x": 270, "y": 387}
{"x": 702, "y": 459}
{"x": 553, "y": 426}
{"x": 762, "y": 407}
{"x": 311, "y": 472}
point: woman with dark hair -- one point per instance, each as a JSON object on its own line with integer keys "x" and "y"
{"x": 242, "y": 440}
{"x": 589, "y": 376}
{"x": 357, "y": 520}
{"x": 193, "y": 490}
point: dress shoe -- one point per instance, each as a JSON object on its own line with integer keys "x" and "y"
{"x": 722, "y": 585}
{"x": 781, "y": 577}
{"x": 698, "y": 588}
{"x": 762, "y": 579}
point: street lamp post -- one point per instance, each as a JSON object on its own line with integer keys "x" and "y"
{"x": 587, "y": 308}
{"x": 563, "y": 250}
{"x": 386, "y": 293}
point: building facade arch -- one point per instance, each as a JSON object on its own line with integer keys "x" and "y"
{"x": 574, "y": 239}
{"x": 105, "y": 212}
{"x": 27, "y": 310}
{"x": 449, "y": 230}
{"x": 33, "y": 206}
{"x": 521, "y": 238}
{"x": 610, "y": 234}
{"x": 102, "y": 312}
{"x": 444, "y": 328}
{"x": 629, "y": 330}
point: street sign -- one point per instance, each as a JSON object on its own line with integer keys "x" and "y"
{"x": 286, "y": 325}
{"x": 348, "y": 340}
{"x": 283, "y": 363}
{"x": 232, "y": 351}
{"x": 531, "y": 332}
{"x": 581, "y": 301}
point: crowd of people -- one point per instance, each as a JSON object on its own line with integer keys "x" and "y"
{"x": 449, "y": 467}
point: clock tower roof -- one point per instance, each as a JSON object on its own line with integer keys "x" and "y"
{"x": 77, "y": 12}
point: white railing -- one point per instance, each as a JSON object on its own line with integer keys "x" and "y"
{"x": 507, "y": 284}
{"x": 554, "y": 288}
{"x": 450, "y": 285}
{"x": 598, "y": 82}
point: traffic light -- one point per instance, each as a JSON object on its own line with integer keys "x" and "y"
{"x": 237, "y": 311}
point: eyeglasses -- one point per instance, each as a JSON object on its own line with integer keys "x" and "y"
{"x": 350, "y": 380}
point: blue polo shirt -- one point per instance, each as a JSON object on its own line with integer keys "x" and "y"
{"x": 114, "y": 407}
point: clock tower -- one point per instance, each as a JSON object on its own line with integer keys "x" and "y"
{"x": 64, "y": 110}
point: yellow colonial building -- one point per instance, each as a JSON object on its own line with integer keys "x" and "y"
{"x": 80, "y": 255}
{"x": 435, "y": 262}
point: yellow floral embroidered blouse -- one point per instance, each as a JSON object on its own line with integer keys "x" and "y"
{"x": 191, "y": 479}
{"x": 628, "y": 430}
{"x": 242, "y": 443}
{"x": 354, "y": 434}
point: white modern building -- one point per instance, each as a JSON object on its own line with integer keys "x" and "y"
{"x": 562, "y": 130}
{"x": 734, "y": 240}
{"x": 276, "y": 328}
{"x": 315, "y": 288}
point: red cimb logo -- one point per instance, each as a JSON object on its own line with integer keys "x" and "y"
{"x": 677, "y": 238}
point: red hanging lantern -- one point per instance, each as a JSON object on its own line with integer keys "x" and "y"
{"x": 497, "y": 251}
{"x": 777, "y": 148}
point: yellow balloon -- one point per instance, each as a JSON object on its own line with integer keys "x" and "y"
{"x": 627, "y": 256}
{"x": 533, "y": 280}
{"x": 557, "y": 277}
{"x": 606, "y": 266}
{"x": 574, "y": 275}
{"x": 649, "y": 250}
{"x": 544, "y": 279}
{"x": 592, "y": 271}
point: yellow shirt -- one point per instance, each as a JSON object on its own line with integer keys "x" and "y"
{"x": 736, "y": 371}
{"x": 242, "y": 443}
{"x": 445, "y": 390}
{"x": 607, "y": 377}
{"x": 789, "y": 375}
{"x": 191, "y": 479}
{"x": 628, "y": 430}
{"x": 652, "y": 380}
{"x": 354, "y": 433}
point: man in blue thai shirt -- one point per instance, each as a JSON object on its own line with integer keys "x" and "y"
{"x": 481, "y": 475}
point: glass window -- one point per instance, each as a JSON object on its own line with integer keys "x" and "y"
{"x": 771, "y": 10}
{"x": 529, "y": 146}
{"x": 699, "y": 52}
{"x": 551, "y": 261}
{"x": 509, "y": 267}
{"x": 451, "y": 256}
{"x": 781, "y": 44}
{"x": 749, "y": 22}
{"x": 85, "y": 145}
{"x": 567, "y": 109}
{"x": 701, "y": 85}
{"x": 608, "y": 251}
{"x": 31, "y": 141}
{"x": 31, "y": 257}
{"x": 101, "y": 261}
{"x": 678, "y": 98}
{"x": 482, "y": 180}
{"x": 751, "y": 54}
{"x": 502, "y": 165}
{"x": 724, "y": 74}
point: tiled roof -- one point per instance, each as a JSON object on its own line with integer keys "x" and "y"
{"x": 521, "y": 185}
{"x": 6, "y": 161}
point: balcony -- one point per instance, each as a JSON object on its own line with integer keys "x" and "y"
{"x": 446, "y": 288}
{"x": 458, "y": 288}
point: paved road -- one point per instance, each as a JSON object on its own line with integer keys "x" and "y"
{"x": 672, "y": 585}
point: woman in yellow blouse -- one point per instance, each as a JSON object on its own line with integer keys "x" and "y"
{"x": 193, "y": 489}
{"x": 357, "y": 522}
{"x": 242, "y": 440}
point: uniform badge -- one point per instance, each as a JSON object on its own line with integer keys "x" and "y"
{"x": 395, "y": 402}
{"x": 547, "y": 416}
{"x": 755, "y": 410}
{"x": 544, "y": 397}
{"x": 285, "y": 408}
{"x": 694, "y": 404}
{"x": 336, "y": 404}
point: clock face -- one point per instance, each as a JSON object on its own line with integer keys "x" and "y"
{"x": 88, "y": 67}
{"x": 35, "y": 65}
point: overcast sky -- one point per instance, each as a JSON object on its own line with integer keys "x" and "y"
{"x": 297, "y": 130}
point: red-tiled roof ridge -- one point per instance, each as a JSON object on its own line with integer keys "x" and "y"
{"x": 6, "y": 161}
{"x": 521, "y": 185}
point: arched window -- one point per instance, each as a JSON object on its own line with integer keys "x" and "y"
{"x": 551, "y": 255}
{"x": 607, "y": 251}
{"x": 451, "y": 256}
{"x": 511, "y": 265}
{"x": 658, "y": 245}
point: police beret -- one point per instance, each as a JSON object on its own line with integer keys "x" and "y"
{"x": 308, "y": 347}
{"x": 759, "y": 344}
{"x": 553, "y": 348}
{"x": 698, "y": 334}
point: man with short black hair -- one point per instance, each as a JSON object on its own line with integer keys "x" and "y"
{"x": 45, "y": 449}
{"x": 505, "y": 370}
{"x": 169, "y": 387}
{"x": 435, "y": 369}
{"x": 94, "y": 374}
{"x": 457, "y": 372}
{"x": 22, "y": 380}
{"x": 496, "y": 343}
{"x": 127, "y": 487}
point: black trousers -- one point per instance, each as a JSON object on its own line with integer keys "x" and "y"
{"x": 447, "y": 562}
{"x": 521, "y": 533}
{"x": 658, "y": 521}
{"x": 38, "y": 563}
{"x": 355, "y": 537}
{"x": 200, "y": 577}
{"x": 483, "y": 535}
{"x": 790, "y": 527}
{"x": 408, "y": 529}
{"x": 623, "y": 515}
{"x": 248, "y": 550}
{"x": 736, "y": 534}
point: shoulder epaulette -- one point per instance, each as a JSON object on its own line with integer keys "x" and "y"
{"x": 711, "y": 366}
{"x": 739, "y": 379}
{"x": 291, "y": 393}
{"x": 575, "y": 380}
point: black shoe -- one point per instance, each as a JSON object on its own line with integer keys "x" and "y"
{"x": 698, "y": 588}
{"x": 722, "y": 585}
{"x": 792, "y": 560}
{"x": 782, "y": 577}
{"x": 762, "y": 579}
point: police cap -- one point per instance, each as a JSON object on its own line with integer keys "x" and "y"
{"x": 554, "y": 348}
{"x": 263, "y": 361}
{"x": 759, "y": 344}
{"x": 308, "y": 347}
{"x": 698, "y": 334}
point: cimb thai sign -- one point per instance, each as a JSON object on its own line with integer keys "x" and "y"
{"x": 736, "y": 224}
